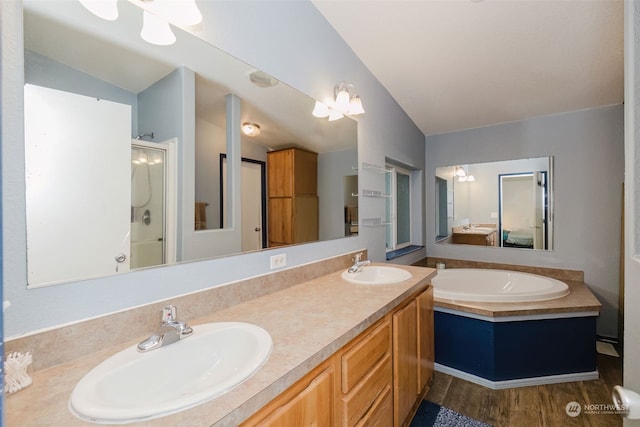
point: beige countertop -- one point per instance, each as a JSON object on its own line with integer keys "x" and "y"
{"x": 580, "y": 299}
{"x": 307, "y": 322}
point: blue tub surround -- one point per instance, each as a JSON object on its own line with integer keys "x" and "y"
{"x": 503, "y": 345}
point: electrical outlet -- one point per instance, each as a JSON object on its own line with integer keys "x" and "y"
{"x": 278, "y": 261}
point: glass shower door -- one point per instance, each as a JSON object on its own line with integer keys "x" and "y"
{"x": 148, "y": 207}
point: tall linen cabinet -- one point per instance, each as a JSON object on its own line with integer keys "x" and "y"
{"x": 292, "y": 188}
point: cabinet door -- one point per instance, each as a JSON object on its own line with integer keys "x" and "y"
{"x": 280, "y": 221}
{"x": 305, "y": 219}
{"x": 405, "y": 364}
{"x": 305, "y": 173}
{"x": 313, "y": 406}
{"x": 425, "y": 338}
{"x": 280, "y": 173}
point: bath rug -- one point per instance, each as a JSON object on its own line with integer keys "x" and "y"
{"x": 430, "y": 414}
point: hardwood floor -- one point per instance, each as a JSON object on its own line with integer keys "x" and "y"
{"x": 536, "y": 405}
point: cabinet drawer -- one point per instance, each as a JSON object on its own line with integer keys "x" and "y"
{"x": 362, "y": 398}
{"x": 362, "y": 357}
{"x": 381, "y": 412}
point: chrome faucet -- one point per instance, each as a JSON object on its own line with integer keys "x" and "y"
{"x": 171, "y": 330}
{"x": 357, "y": 264}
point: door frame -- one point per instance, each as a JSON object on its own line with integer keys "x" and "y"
{"x": 545, "y": 205}
{"x": 263, "y": 193}
{"x": 170, "y": 196}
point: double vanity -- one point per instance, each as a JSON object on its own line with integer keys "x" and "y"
{"x": 348, "y": 347}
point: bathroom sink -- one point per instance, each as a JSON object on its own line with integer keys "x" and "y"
{"x": 132, "y": 386}
{"x": 377, "y": 275}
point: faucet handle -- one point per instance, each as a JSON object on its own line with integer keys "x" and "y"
{"x": 357, "y": 257}
{"x": 169, "y": 314}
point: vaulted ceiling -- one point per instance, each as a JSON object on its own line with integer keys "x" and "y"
{"x": 459, "y": 64}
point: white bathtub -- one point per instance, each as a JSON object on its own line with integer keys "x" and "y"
{"x": 485, "y": 285}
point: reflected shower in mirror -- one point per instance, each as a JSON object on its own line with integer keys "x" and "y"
{"x": 190, "y": 100}
{"x": 505, "y": 204}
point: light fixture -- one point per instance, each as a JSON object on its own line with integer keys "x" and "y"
{"x": 251, "y": 129}
{"x": 342, "y": 100}
{"x": 156, "y": 30}
{"x": 320, "y": 110}
{"x": 105, "y": 9}
{"x": 463, "y": 176}
{"x": 335, "y": 115}
{"x": 347, "y": 102}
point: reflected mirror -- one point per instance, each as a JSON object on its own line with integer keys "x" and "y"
{"x": 505, "y": 204}
{"x": 156, "y": 138}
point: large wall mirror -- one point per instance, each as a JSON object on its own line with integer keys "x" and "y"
{"x": 505, "y": 204}
{"x": 130, "y": 148}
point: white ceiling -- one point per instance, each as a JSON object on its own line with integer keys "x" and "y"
{"x": 459, "y": 64}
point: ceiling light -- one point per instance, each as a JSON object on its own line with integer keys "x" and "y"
{"x": 156, "y": 30}
{"x": 347, "y": 102}
{"x": 251, "y": 129}
{"x": 105, "y": 9}
{"x": 355, "y": 106}
{"x": 320, "y": 110}
{"x": 342, "y": 100}
{"x": 335, "y": 115}
{"x": 262, "y": 79}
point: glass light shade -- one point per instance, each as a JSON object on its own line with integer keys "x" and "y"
{"x": 335, "y": 115}
{"x": 105, "y": 9}
{"x": 471, "y": 178}
{"x": 355, "y": 106}
{"x": 251, "y": 129}
{"x": 460, "y": 171}
{"x": 342, "y": 101}
{"x": 462, "y": 179}
{"x": 156, "y": 30}
{"x": 320, "y": 110}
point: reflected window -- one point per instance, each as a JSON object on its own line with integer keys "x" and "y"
{"x": 398, "y": 210}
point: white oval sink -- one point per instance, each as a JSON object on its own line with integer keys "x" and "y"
{"x": 132, "y": 386}
{"x": 377, "y": 275}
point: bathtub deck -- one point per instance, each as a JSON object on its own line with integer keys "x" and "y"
{"x": 580, "y": 299}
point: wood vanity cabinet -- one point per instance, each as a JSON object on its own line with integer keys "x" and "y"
{"x": 365, "y": 394}
{"x": 377, "y": 380}
{"x": 292, "y": 189}
{"x": 413, "y": 355}
{"x": 309, "y": 402}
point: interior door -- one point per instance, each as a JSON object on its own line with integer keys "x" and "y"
{"x": 251, "y": 206}
{"x": 76, "y": 228}
{"x": 537, "y": 183}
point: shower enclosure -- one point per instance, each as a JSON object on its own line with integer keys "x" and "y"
{"x": 152, "y": 190}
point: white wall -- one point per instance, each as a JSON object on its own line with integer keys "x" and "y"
{"x": 631, "y": 368}
{"x": 289, "y": 40}
{"x": 587, "y": 147}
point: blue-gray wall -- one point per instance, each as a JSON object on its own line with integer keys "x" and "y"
{"x": 588, "y": 151}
